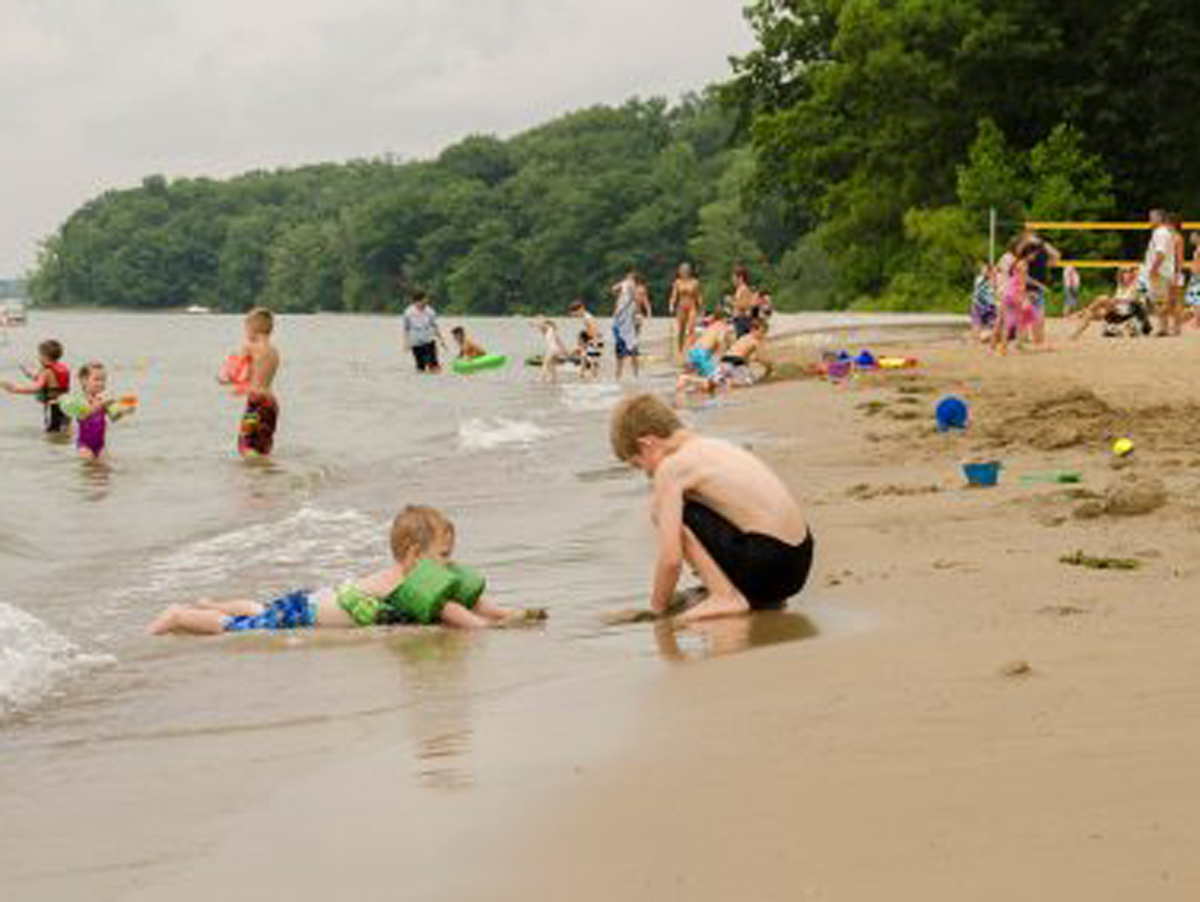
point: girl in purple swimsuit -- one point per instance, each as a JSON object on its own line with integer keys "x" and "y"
{"x": 93, "y": 425}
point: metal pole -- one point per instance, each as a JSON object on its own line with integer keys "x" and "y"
{"x": 992, "y": 236}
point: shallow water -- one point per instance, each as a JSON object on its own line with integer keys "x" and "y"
{"x": 89, "y": 553}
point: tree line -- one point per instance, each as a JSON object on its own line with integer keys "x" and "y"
{"x": 889, "y": 128}
{"x": 851, "y": 158}
{"x": 490, "y": 226}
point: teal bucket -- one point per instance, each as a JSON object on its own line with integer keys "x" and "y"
{"x": 982, "y": 474}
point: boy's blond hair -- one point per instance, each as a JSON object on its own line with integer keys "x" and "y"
{"x": 261, "y": 320}
{"x": 639, "y": 417}
{"x": 416, "y": 528}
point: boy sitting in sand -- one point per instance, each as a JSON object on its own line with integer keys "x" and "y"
{"x": 467, "y": 349}
{"x": 701, "y": 358}
{"x": 750, "y": 348}
{"x": 719, "y": 508}
{"x": 256, "y": 434}
{"x": 420, "y": 586}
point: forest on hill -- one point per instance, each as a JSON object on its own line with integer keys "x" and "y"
{"x": 850, "y": 158}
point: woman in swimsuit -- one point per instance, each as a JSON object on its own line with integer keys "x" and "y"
{"x": 685, "y": 305}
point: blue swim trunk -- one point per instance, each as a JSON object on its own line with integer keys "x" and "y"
{"x": 623, "y": 349}
{"x": 703, "y": 362}
{"x": 293, "y": 611}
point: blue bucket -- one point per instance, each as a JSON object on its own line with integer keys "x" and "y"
{"x": 952, "y": 413}
{"x": 982, "y": 474}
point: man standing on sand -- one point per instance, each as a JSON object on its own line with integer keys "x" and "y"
{"x": 1159, "y": 269}
{"x": 422, "y": 334}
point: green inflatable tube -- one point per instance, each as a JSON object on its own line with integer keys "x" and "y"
{"x": 469, "y": 585}
{"x": 74, "y": 406}
{"x": 424, "y": 592}
{"x": 463, "y": 366}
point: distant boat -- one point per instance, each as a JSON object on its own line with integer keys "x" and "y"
{"x": 197, "y": 308}
{"x": 12, "y": 313}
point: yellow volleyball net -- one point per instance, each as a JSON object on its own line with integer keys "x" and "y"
{"x": 1036, "y": 226}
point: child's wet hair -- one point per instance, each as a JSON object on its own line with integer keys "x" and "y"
{"x": 417, "y": 528}
{"x": 261, "y": 320}
{"x": 639, "y": 417}
{"x": 51, "y": 349}
{"x": 88, "y": 368}
{"x": 458, "y": 332}
{"x": 576, "y": 306}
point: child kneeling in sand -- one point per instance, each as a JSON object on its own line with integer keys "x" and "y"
{"x": 719, "y": 508}
{"x": 421, "y": 586}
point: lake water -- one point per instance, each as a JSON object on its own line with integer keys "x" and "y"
{"x": 89, "y": 553}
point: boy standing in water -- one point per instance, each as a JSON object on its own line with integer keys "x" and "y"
{"x": 256, "y": 437}
{"x": 719, "y": 508}
{"x": 594, "y": 352}
{"x": 52, "y": 381}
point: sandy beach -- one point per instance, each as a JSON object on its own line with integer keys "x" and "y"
{"x": 984, "y": 722}
{"x": 1013, "y": 727}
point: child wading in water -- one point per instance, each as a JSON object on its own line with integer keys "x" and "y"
{"x": 98, "y": 410}
{"x": 467, "y": 349}
{"x": 420, "y": 586}
{"x": 554, "y": 351}
{"x": 719, "y": 508}
{"x": 51, "y": 382}
{"x": 256, "y": 436}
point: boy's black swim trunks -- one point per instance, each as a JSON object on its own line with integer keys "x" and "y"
{"x": 765, "y": 569}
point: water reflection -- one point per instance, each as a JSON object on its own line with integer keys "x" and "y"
{"x": 94, "y": 479}
{"x": 436, "y": 674}
{"x": 731, "y": 635}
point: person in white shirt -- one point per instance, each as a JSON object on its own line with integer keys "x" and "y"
{"x": 1159, "y": 270}
{"x": 422, "y": 334}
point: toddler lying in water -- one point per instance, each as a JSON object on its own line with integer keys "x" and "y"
{"x": 421, "y": 586}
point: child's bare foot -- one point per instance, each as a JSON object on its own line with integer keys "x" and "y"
{"x": 715, "y": 606}
{"x": 164, "y": 622}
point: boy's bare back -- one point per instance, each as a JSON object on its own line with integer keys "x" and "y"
{"x": 264, "y": 364}
{"x": 734, "y": 483}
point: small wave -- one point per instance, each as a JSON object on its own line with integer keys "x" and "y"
{"x": 34, "y": 660}
{"x": 487, "y": 433}
{"x": 589, "y": 398}
{"x": 311, "y": 542}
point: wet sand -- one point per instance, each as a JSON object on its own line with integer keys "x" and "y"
{"x": 1014, "y": 728}
{"x": 1007, "y": 727}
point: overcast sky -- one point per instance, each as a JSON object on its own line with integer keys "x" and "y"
{"x": 95, "y": 94}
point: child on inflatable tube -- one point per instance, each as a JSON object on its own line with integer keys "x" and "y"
{"x": 422, "y": 586}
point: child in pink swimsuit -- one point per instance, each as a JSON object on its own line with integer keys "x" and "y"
{"x": 93, "y": 425}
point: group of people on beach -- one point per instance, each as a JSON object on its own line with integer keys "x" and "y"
{"x": 713, "y": 349}
{"x": 1008, "y": 302}
{"x": 718, "y": 349}
{"x": 1160, "y": 288}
